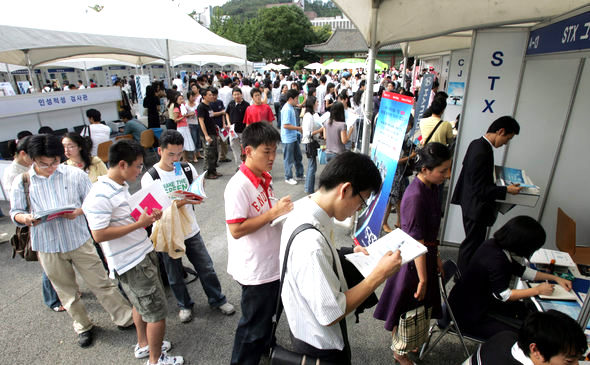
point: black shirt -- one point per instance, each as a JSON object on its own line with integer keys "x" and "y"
{"x": 217, "y": 106}
{"x": 236, "y": 114}
{"x": 497, "y": 350}
{"x": 204, "y": 111}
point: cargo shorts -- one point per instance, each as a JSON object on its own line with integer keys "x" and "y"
{"x": 143, "y": 285}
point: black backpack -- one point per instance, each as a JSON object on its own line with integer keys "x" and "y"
{"x": 185, "y": 168}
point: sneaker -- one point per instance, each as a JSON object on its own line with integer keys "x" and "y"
{"x": 85, "y": 339}
{"x": 291, "y": 181}
{"x": 143, "y": 352}
{"x": 225, "y": 160}
{"x": 185, "y": 315}
{"x": 227, "y": 309}
{"x": 166, "y": 359}
{"x": 302, "y": 178}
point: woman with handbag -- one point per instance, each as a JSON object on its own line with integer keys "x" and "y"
{"x": 413, "y": 291}
{"x": 311, "y": 145}
{"x": 335, "y": 131}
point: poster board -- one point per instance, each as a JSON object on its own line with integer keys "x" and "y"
{"x": 394, "y": 114}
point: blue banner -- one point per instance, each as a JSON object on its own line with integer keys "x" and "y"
{"x": 394, "y": 114}
{"x": 59, "y": 70}
{"x": 423, "y": 96}
{"x": 571, "y": 34}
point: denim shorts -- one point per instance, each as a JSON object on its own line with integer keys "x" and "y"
{"x": 143, "y": 286}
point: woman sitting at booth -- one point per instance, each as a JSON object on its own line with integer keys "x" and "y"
{"x": 77, "y": 151}
{"x": 482, "y": 300}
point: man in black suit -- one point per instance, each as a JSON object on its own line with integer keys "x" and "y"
{"x": 476, "y": 190}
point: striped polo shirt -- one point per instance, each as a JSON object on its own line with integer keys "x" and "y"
{"x": 66, "y": 186}
{"x": 106, "y": 206}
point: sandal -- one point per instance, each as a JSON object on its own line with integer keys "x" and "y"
{"x": 58, "y": 309}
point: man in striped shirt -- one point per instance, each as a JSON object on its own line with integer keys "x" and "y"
{"x": 129, "y": 252}
{"x": 64, "y": 242}
{"x": 315, "y": 294}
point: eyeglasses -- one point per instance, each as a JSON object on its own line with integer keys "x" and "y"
{"x": 42, "y": 165}
{"x": 70, "y": 146}
{"x": 364, "y": 204}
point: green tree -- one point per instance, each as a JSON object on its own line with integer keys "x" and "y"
{"x": 322, "y": 33}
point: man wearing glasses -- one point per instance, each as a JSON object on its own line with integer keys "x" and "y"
{"x": 64, "y": 242}
{"x": 315, "y": 295}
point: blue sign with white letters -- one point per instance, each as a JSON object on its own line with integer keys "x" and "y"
{"x": 571, "y": 34}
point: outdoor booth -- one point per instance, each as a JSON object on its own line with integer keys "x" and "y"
{"x": 541, "y": 76}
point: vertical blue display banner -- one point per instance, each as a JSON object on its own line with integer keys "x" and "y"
{"x": 394, "y": 114}
{"x": 424, "y": 95}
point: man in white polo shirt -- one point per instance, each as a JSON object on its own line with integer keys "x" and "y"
{"x": 253, "y": 245}
{"x": 128, "y": 250}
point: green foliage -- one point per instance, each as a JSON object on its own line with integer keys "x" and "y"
{"x": 276, "y": 34}
{"x": 322, "y": 33}
{"x": 300, "y": 65}
{"x": 249, "y": 8}
{"x": 322, "y": 9}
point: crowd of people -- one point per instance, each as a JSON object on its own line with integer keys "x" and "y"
{"x": 206, "y": 115}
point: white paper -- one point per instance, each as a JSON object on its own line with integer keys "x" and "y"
{"x": 284, "y": 217}
{"x": 544, "y": 256}
{"x": 396, "y": 240}
{"x": 559, "y": 293}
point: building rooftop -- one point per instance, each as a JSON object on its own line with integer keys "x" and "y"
{"x": 346, "y": 40}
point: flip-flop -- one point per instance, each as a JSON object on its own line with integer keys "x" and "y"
{"x": 59, "y": 309}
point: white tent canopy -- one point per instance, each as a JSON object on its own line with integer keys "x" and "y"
{"x": 86, "y": 63}
{"x": 129, "y": 27}
{"x": 421, "y": 19}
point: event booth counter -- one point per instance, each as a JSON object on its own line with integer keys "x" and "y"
{"x": 541, "y": 76}
{"x": 60, "y": 109}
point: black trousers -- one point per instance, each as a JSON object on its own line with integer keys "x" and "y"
{"x": 475, "y": 234}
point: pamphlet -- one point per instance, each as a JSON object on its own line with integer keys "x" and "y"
{"x": 51, "y": 214}
{"x": 223, "y": 133}
{"x": 284, "y": 217}
{"x": 195, "y": 192}
{"x": 509, "y": 176}
{"x": 559, "y": 293}
{"x": 396, "y": 240}
{"x": 544, "y": 256}
{"x": 149, "y": 198}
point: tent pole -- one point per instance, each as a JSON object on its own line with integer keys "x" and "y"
{"x": 405, "y": 50}
{"x": 86, "y": 74}
{"x": 168, "y": 67}
{"x": 31, "y": 72}
{"x": 368, "y": 95}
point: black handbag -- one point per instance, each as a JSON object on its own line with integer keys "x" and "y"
{"x": 311, "y": 148}
{"x": 411, "y": 164}
{"x": 278, "y": 354}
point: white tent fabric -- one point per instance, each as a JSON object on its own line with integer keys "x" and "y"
{"x": 129, "y": 27}
{"x": 315, "y": 66}
{"x": 421, "y": 19}
{"x": 450, "y": 42}
{"x": 86, "y": 63}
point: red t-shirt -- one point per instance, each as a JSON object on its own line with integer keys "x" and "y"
{"x": 257, "y": 113}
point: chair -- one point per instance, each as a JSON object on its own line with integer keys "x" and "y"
{"x": 60, "y": 132}
{"x": 103, "y": 151}
{"x": 565, "y": 239}
{"x": 79, "y": 128}
{"x": 5, "y": 151}
{"x": 447, "y": 324}
{"x": 125, "y": 136}
{"x": 147, "y": 139}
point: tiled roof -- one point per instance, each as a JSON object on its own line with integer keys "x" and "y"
{"x": 346, "y": 40}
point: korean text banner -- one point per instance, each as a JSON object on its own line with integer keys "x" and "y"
{"x": 394, "y": 114}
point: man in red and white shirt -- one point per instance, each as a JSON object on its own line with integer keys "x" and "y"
{"x": 253, "y": 245}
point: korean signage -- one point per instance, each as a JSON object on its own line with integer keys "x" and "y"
{"x": 572, "y": 34}
{"x": 394, "y": 114}
{"x": 43, "y": 102}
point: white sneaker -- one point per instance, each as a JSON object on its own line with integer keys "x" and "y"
{"x": 185, "y": 315}
{"x": 143, "y": 352}
{"x": 166, "y": 359}
{"x": 227, "y": 309}
{"x": 291, "y": 181}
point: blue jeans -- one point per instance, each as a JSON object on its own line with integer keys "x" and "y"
{"x": 195, "y": 130}
{"x": 49, "y": 295}
{"x": 292, "y": 155}
{"x": 312, "y": 166}
{"x": 254, "y": 328}
{"x": 330, "y": 156}
{"x": 197, "y": 254}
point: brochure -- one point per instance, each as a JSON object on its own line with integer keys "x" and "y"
{"x": 149, "y": 198}
{"x": 195, "y": 192}
{"x": 396, "y": 240}
{"x": 51, "y": 214}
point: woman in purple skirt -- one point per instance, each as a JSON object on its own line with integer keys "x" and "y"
{"x": 416, "y": 283}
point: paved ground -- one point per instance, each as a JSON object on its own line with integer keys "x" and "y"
{"x": 32, "y": 334}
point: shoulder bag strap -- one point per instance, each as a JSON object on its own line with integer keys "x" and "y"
{"x": 432, "y": 133}
{"x": 279, "y": 310}
{"x": 153, "y": 173}
{"x": 187, "y": 172}
{"x": 26, "y": 185}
